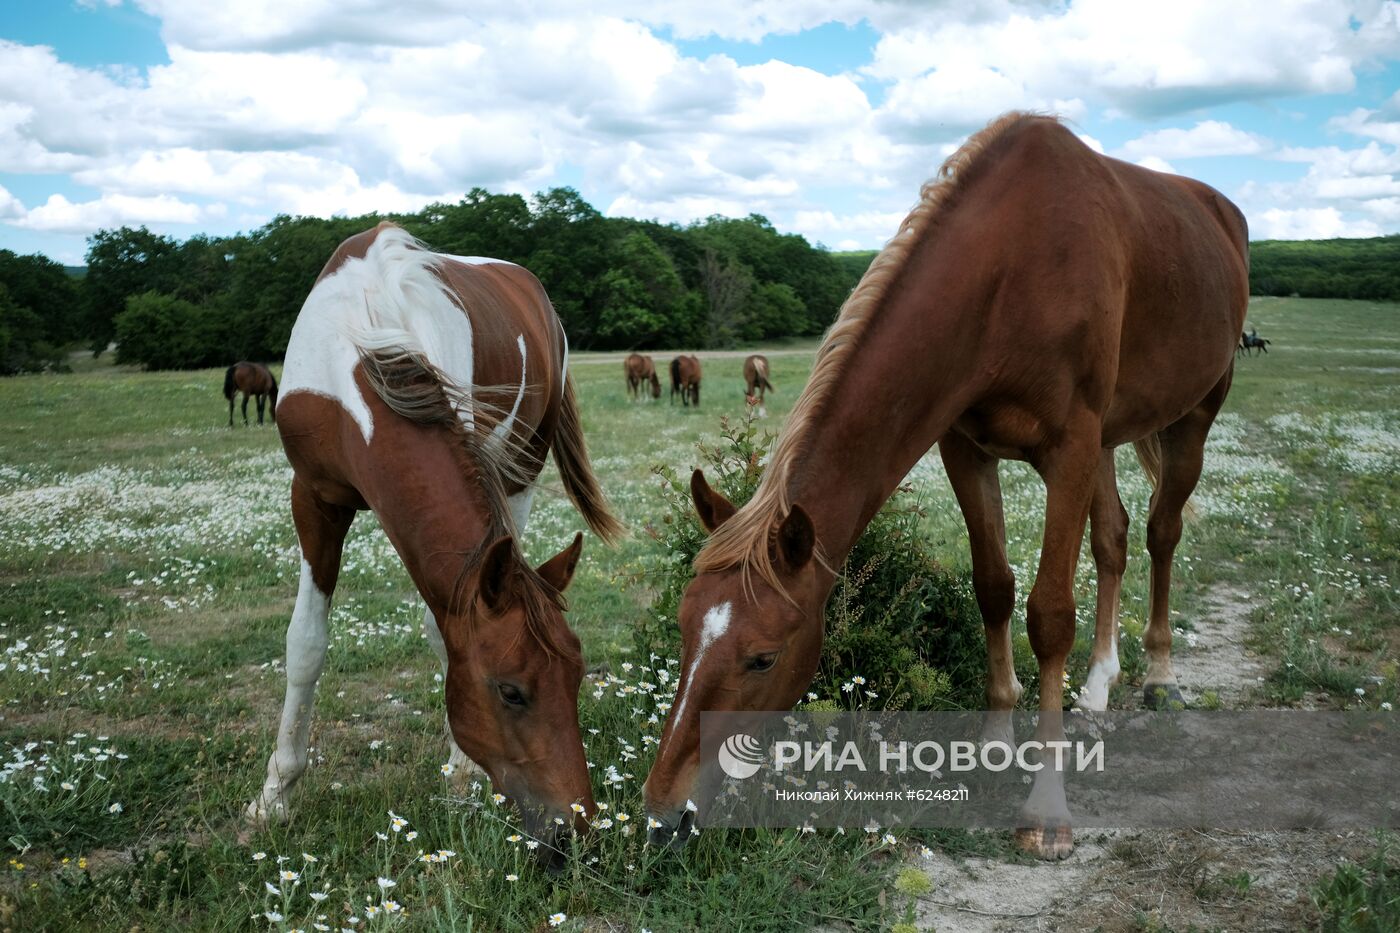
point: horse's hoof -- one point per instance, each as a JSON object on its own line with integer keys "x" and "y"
{"x": 1050, "y": 843}
{"x": 1163, "y": 697}
{"x": 260, "y": 813}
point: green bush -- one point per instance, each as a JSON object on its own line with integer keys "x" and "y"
{"x": 162, "y": 332}
{"x": 1362, "y": 898}
{"x": 896, "y": 618}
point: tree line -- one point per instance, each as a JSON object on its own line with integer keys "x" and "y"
{"x": 617, "y": 283}
{"x": 1363, "y": 268}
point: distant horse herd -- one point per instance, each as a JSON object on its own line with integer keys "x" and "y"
{"x": 1041, "y": 302}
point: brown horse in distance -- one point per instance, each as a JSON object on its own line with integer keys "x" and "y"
{"x": 756, "y": 379}
{"x": 640, "y": 370}
{"x": 1047, "y": 304}
{"x": 685, "y": 379}
{"x": 252, "y": 379}
{"x": 430, "y": 388}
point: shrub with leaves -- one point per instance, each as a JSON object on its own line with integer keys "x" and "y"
{"x": 901, "y": 632}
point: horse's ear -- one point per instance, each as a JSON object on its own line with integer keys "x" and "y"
{"x": 559, "y": 569}
{"x": 714, "y": 510}
{"x": 796, "y": 539}
{"x": 497, "y": 567}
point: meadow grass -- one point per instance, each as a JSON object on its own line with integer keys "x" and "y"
{"x": 148, "y": 568}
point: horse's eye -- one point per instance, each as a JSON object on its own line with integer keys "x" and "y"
{"x": 763, "y": 662}
{"x": 510, "y": 695}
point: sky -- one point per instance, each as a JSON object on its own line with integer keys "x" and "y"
{"x": 212, "y": 116}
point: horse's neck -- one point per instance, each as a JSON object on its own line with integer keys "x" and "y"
{"x": 434, "y": 532}
{"x": 890, "y": 405}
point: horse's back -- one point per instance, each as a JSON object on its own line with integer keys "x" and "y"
{"x": 483, "y": 324}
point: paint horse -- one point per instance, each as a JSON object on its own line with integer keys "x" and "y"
{"x": 429, "y": 388}
{"x": 756, "y": 382}
{"x": 252, "y": 379}
{"x": 685, "y": 380}
{"x": 1048, "y": 304}
{"x": 640, "y": 370}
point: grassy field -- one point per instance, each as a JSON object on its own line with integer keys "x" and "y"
{"x": 148, "y": 568}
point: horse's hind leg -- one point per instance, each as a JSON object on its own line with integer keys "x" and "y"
{"x": 321, "y": 527}
{"x": 973, "y": 476}
{"x": 245, "y": 409}
{"x": 1183, "y": 451}
{"x": 230, "y": 411}
{"x": 1108, "y": 536}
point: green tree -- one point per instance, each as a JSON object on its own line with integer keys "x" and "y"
{"x": 162, "y": 332}
{"x": 120, "y": 263}
{"x": 644, "y": 303}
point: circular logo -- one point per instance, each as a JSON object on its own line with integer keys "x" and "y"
{"x": 740, "y": 756}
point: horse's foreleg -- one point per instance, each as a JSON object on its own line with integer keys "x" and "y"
{"x": 321, "y": 527}
{"x": 262, "y": 400}
{"x": 1108, "y": 523}
{"x": 973, "y": 476}
{"x": 1068, "y": 469}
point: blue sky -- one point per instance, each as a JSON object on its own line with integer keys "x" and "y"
{"x": 211, "y": 116}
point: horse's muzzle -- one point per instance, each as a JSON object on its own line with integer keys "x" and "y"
{"x": 671, "y": 830}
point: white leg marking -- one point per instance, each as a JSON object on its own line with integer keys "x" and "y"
{"x": 461, "y": 764}
{"x": 307, "y": 639}
{"x": 715, "y": 625}
{"x": 1103, "y": 674}
{"x": 520, "y": 508}
{"x": 503, "y": 429}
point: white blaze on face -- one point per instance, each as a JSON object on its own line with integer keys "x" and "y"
{"x": 715, "y": 625}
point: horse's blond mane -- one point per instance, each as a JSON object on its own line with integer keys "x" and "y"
{"x": 744, "y": 540}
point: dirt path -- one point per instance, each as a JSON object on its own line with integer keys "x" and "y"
{"x": 1213, "y": 656}
{"x": 1229, "y": 881}
{"x": 581, "y": 359}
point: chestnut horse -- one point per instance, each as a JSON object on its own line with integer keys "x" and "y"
{"x": 1045, "y": 303}
{"x": 756, "y": 380}
{"x": 386, "y": 405}
{"x": 685, "y": 379}
{"x": 251, "y": 379}
{"x": 640, "y": 369}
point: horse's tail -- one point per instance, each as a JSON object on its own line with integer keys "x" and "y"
{"x": 571, "y": 456}
{"x": 1149, "y": 454}
{"x": 272, "y": 396}
{"x": 762, "y": 367}
{"x": 675, "y": 377}
{"x": 229, "y": 386}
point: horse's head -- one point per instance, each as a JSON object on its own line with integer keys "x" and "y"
{"x": 746, "y": 645}
{"x": 655, "y": 386}
{"x": 513, "y": 676}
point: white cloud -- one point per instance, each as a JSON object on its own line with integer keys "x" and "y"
{"x": 1156, "y": 164}
{"x": 10, "y": 206}
{"x": 59, "y": 215}
{"x": 1206, "y": 138}
{"x": 1148, "y": 58}
{"x": 1308, "y": 223}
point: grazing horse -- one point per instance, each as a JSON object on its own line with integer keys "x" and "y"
{"x": 756, "y": 379}
{"x": 685, "y": 379}
{"x": 1047, "y": 304}
{"x": 429, "y": 388}
{"x": 640, "y": 369}
{"x": 251, "y": 379}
